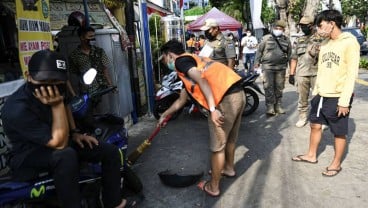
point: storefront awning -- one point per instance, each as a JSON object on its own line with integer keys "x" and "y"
{"x": 153, "y": 8}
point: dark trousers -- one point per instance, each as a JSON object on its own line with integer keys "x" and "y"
{"x": 64, "y": 167}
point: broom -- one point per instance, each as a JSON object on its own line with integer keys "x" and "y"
{"x": 133, "y": 157}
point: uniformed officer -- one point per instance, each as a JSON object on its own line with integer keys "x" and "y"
{"x": 303, "y": 66}
{"x": 223, "y": 48}
{"x": 273, "y": 54}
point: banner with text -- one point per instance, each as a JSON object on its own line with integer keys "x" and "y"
{"x": 34, "y": 33}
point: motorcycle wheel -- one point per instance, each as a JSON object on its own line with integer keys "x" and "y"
{"x": 252, "y": 101}
{"x": 131, "y": 180}
{"x": 164, "y": 104}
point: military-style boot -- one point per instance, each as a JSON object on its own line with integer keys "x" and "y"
{"x": 278, "y": 108}
{"x": 302, "y": 120}
{"x": 270, "y": 110}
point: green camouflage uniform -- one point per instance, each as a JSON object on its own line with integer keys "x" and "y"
{"x": 274, "y": 62}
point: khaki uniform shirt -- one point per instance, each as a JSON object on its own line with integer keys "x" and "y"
{"x": 223, "y": 49}
{"x": 305, "y": 51}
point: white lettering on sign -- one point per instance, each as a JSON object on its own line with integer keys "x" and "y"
{"x": 30, "y": 25}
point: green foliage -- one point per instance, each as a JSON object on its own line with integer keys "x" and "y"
{"x": 296, "y": 9}
{"x": 216, "y": 3}
{"x": 358, "y": 8}
{"x": 363, "y": 63}
{"x": 268, "y": 14}
{"x": 155, "y": 41}
{"x": 234, "y": 9}
{"x": 196, "y": 11}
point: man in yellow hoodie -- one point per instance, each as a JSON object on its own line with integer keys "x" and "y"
{"x": 338, "y": 65}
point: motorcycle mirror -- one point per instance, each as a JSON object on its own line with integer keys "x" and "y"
{"x": 89, "y": 76}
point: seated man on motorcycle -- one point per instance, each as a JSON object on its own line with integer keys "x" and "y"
{"x": 41, "y": 131}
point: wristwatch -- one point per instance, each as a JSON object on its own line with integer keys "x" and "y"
{"x": 212, "y": 109}
{"x": 72, "y": 131}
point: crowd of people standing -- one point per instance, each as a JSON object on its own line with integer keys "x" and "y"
{"x": 325, "y": 61}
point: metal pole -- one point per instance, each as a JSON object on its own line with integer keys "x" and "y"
{"x": 85, "y": 5}
{"x": 157, "y": 48}
{"x": 132, "y": 60}
{"x": 147, "y": 55}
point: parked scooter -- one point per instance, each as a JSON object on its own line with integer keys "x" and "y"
{"x": 171, "y": 86}
{"x": 251, "y": 90}
{"x": 40, "y": 192}
{"x": 170, "y": 89}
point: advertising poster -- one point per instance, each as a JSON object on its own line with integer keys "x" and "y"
{"x": 34, "y": 33}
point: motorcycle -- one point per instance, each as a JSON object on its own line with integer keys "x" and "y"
{"x": 171, "y": 86}
{"x": 251, "y": 90}
{"x": 40, "y": 192}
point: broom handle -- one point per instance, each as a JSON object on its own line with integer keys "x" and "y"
{"x": 133, "y": 157}
{"x": 150, "y": 138}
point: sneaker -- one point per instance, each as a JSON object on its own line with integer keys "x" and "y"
{"x": 301, "y": 123}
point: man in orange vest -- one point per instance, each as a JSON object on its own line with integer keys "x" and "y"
{"x": 191, "y": 43}
{"x": 215, "y": 87}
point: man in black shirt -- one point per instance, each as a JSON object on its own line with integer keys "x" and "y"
{"x": 38, "y": 124}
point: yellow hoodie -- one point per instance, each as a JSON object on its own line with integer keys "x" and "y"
{"x": 338, "y": 65}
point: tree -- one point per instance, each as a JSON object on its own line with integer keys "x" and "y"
{"x": 358, "y": 8}
{"x": 268, "y": 14}
{"x": 231, "y": 8}
{"x": 216, "y": 3}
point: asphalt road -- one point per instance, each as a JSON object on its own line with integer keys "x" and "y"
{"x": 266, "y": 176}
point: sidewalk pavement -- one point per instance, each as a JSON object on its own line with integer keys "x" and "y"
{"x": 266, "y": 176}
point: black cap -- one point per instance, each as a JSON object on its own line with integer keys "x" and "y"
{"x": 47, "y": 65}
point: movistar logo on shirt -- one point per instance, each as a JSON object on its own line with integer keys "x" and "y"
{"x": 330, "y": 57}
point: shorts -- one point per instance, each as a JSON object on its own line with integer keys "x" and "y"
{"x": 328, "y": 115}
{"x": 232, "y": 106}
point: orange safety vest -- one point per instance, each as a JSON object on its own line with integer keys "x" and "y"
{"x": 219, "y": 77}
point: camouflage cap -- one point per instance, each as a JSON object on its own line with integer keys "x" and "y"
{"x": 280, "y": 23}
{"x": 306, "y": 20}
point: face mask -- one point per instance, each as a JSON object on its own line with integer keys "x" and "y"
{"x": 306, "y": 29}
{"x": 56, "y": 44}
{"x": 92, "y": 42}
{"x": 171, "y": 65}
{"x": 277, "y": 33}
{"x": 62, "y": 89}
{"x": 32, "y": 87}
{"x": 325, "y": 33}
{"x": 208, "y": 35}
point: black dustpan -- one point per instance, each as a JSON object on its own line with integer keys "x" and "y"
{"x": 172, "y": 179}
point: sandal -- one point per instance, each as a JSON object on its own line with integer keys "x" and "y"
{"x": 223, "y": 174}
{"x": 335, "y": 172}
{"x": 202, "y": 186}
